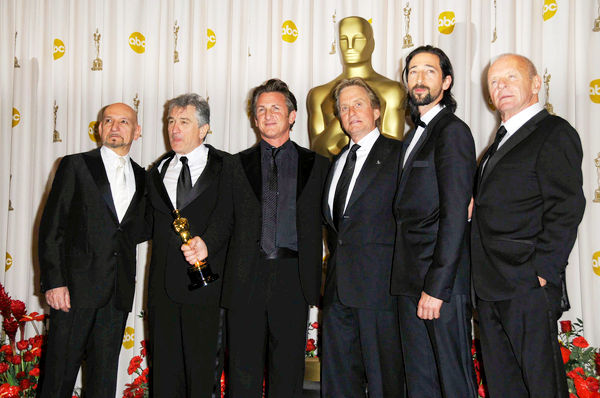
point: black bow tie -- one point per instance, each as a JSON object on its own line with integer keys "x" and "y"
{"x": 421, "y": 123}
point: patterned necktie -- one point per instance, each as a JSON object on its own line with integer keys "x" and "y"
{"x": 184, "y": 182}
{"x": 341, "y": 191}
{"x": 120, "y": 195}
{"x": 269, "y": 224}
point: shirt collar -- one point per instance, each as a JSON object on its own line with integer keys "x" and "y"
{"x": 111, "y": 156}
{"x": 430, "y": 114}
{"x": 367, "y": 142}
{"x": 518, "y": 120}
{"x": 195, "y": 156}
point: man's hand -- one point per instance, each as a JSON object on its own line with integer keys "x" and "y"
{"x": 429, "y": 307}
{"x": 470, "y": 210}
{"x": 59, "y": 299}
{"x": 194, "y": 250}
{"x": 542, "y": 281}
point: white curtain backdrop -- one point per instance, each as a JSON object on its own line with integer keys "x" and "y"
{"x": 227, "y": 47}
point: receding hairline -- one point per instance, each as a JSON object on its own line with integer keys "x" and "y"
{"x": 129, "y": 109}
{"x": 529, "y": 65}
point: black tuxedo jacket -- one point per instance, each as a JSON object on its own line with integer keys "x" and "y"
{"x": 361, "y": 250}
{"x": 430, "y": 208}
{"x": 238, "y": 221}
{"x": 168, "y": 268}
{"x": 82, "y": 245}
{"x": 528, "y": 205}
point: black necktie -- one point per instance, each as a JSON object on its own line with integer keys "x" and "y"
{"x": 341, "y": 191}
{"x": 499, "y": 135}
{"x": 184, "y": 183}
{"x": 269, "y": 224}
{"x": 421, "y": 123}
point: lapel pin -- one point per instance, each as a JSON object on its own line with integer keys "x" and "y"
{"x": 378, "y": 162}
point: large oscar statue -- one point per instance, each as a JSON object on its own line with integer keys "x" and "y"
{"x": 200, "y": 273}
{"x": 356, "y": 45}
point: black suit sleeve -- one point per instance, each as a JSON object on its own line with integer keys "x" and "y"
{"x": 221, "y": 222}
{"x": 455, "y": 168}
{"x": 560, "y": 179}
{"x": 53, "y": 225}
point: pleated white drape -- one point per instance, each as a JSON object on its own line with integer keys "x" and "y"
{"x": 227, "y": 47}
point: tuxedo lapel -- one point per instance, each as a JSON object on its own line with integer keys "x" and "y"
{"x": 522, "y": 133}
{"x": 325, "y": 205}
{"x": 140, "y": 182}
{"x": 250, "y": 160}
{"x": 95, "y": 165}
{"x": 156, "y": 176}
{"x": 209, "y": 174}
{"x": 306, "y": 160}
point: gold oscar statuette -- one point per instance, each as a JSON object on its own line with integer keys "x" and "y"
{"x": 494, "y": 35}
{"x": 200, "y": 273}
{"x": 597, "y": 20}
{"x": 548, "y": 105}
{"x": 597, "y": 191}
{"x": 97, "y": 63}
{"x": 407, "y": 41}
{"x": 175, "y": 52}
{"x": 16, "y": 63}
{"x": 333, "y": 44}
{"x": 55, "y": 133}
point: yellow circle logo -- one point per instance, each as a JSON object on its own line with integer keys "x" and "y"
{"x": 16, "y": 117}
{"x": 550, "y": 8}
{"x": 596, "y": 263}
{"x": 58, "y": 50}
{"x": 129, "y": 338}
{"x": 9, "y": 262}
{"x": 594, "y": 92}
{"x": 446, "y": 22}
{"x": 289, "y": 31}
{"x": 137, "y": 42}
{"x": 92, "y": 131}
{"x": 211, "y": 39}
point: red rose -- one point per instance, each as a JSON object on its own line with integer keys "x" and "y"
{"x": 580, "y": 342}
{"x": 10, "y": 326}
{"x": 3, "y": 367}
{"x": 6, "y": 349}
{"x": 17, "y": 307}
{"x": 134, "y": 364}
{"x": 481, "y": 391}
{"x": 21, "y": 375}
{"x": 315, "y": 325}
{"x": 592, "y": 384}
{"x": 28, "y": 356}
{"x": 35, "y": 372}
{"x": 571, "y": 395}
{"x": 566, "y": 326}
{"x": 36, "y": 341}
{"x": 16, "y": 360}
{"x": 22, "y": 345}
{"x": 8, "y": 391}
{"x": 310, "y": 345}
{"x": 25, "y": 384}
{"x": 565, "y": 352}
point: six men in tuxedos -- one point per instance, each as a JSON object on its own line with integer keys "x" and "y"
{"x": 431, "y": 259}
{"x": 184, "y": 325}
{"x": 528, "y": 204}
{"x": 93, "y": 219}
{"x": 396, "y": 306}
{"x": 361, "y": 341}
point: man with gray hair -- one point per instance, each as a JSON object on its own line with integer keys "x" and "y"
{"x": 185, "y": 325}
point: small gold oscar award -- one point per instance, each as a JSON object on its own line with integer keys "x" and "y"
{"x": 200, "y": 273}
{"x": 136, "y": 103}
{"x": 407, "y": 42}
{"x": 597, "y": 191}
{"x": 175, "y": 52}
{"x": 548, "y": 105}
{"x": 333, "y": 44}
{"x": 55, "y": 133}
{"x": 597, "y": 20}
{"x": 97, "y": 63}
{"x": 494, "y": 35}
{"x": 16, "y": 64}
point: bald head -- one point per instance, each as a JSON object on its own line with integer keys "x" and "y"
{"x": 119, "y": 128}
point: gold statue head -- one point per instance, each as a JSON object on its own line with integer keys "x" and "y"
{"x": 356, "y": 40}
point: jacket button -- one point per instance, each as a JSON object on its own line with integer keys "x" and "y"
{"x": 115, "y": 253}
{"x": 340, "y": 243}
{"x": 120, "y": 229}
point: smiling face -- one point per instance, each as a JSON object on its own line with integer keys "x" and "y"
{"x": 356, "y": 40}
{"x": 511, "y": 85}
{"x": 119, "y": 128}
{"x": 425, "y": 81}
{"x": 356, "y": 112}
{"x": 273, "y": 118}
{"x": 185, "y": 134}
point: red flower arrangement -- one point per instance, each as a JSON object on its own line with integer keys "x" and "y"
{"x": 582, "y": 362}
{"x": 139, "y": 387}
{"x": 311, "y": 343}
{"x": 19, "y": 360}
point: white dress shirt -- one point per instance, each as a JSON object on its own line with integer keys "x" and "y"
{"x": 518, "y": 120}
{"x": 366, "y": 144}
{"x": 197, "y": 160}
{"x": 426, "y": 118}
{"x": 111, "y": 160}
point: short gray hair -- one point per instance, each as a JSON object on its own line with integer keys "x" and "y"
{"x": 199, "y": 103}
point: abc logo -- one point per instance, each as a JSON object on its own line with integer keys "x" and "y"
{"x": 91, "y": 131}
{"x": 446, "y": 22}
{"x": 9, "y": 261}
{"x": 596, "y": 263}
{"x": 137, "y": 42}
{"x": 211, "y": 39}
{"x": 550, "y": 8}
{"x": 59, "y": 49}
{"x": 128, "y": 338}
{"x": 289, "y": 31}
{"x": 16, "y": 117}
{"x": 594, "y": 92}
